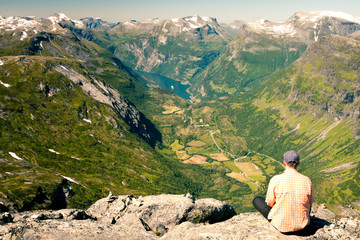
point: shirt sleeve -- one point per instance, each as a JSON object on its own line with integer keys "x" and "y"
{"x": 270, "y": 196}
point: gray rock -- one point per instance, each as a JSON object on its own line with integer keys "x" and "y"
{"x": 165, "y": 217}
{"x": 105, "y": 210}
{"x": 162, "y": 212}
{"x": 324, "y": 213}
{"x": 211, "y": 211}
{"x": 242, "y": 226}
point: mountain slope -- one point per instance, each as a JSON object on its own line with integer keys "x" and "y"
{"x": 263, "y": 47}
{"x": 56, "y": 128}
{"x": 322, "y": 100}
{"x": 312, "y": 107}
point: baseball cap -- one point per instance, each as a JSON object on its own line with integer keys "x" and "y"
{"x": 291, "y": 156}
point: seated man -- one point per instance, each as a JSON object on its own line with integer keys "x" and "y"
{"x": 288, "y": 199}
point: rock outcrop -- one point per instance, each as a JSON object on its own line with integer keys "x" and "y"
{"x": 167, "y": 217}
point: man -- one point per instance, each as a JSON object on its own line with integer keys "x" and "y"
{"x": 288, "y": 199}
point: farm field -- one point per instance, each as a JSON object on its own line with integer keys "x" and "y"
{"x": 196, "y": 144}
{"x": 196, "y": 159}
{"x": 268, "y": 166}
{"x": 172, "y": 109}
{"x": 238, "y": 176}
{"x": 182, "y": 155}
{"x": 176, "y": 146}
{"x": 219, "y": 157}
{"x": 251, "y": 170}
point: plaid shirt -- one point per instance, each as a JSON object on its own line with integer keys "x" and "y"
{"x": 290, "y": 195}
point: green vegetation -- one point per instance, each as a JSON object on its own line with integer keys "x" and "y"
{"x": 259, "y": 103}
{"x": 237, "y": 71}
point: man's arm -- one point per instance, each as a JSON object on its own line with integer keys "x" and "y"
{"x": 270, "y": 196}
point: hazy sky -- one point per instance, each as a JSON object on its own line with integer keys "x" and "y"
{"x": 223, "y": 10}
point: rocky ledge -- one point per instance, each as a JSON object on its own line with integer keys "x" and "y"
{"x": 167, "y": 217}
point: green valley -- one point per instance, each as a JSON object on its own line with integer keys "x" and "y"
{"x": 75, "y": 113}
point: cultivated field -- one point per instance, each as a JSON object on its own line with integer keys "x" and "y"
{"x": 238, "y": 176}
{"x": 196, "y": 144}
{"x": 171, "y": 109}
{"x": 176, "y": 146}
{"x": 182, "y": 155}
{"x": 219, "y": 157}
{"x": 196, "y": 159}
{"x": 250, "y": 170}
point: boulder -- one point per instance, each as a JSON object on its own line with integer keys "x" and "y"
{"x": 210, "y": 211}
{"x": 159, "y": 213}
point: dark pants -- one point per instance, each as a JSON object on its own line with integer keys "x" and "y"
{"x": 260, "y": 204}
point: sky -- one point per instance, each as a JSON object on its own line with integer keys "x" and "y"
{"x": 225, "y": 11}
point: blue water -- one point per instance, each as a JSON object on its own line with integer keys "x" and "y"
{"x": 164, "y": 82}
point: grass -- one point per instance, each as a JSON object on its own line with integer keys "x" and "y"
{"x": 194, "y": 150}
{"x": 195, "y": 144}
{"x": 176, "y": 146}
{"x": 232, "y": 166}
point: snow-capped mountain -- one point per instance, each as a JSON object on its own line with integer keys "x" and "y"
{"x": 177, "y": 48}
{"x": 173, "y": 26}
{"x": 97, "y": 23}
{"x": 309, "y": 26}
{"x": 32, "y": 25}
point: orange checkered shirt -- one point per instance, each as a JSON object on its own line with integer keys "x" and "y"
{"x": 290, "y": 195}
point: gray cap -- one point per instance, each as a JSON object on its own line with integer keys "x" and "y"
{"x": 291, "y": 156}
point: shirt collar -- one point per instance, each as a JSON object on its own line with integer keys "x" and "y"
{"x": 290, "y": 170}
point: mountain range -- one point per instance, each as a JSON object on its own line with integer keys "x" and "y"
{"x": 77, "y": 109}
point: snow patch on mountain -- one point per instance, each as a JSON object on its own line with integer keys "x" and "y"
{"x": 13, "y": 23}
{"x": 34, "y": 24}
{"x": 5, "y": 84}
{"x": 15, "y": 156}
{"x": 194, "y": 26}
{"x": 276, "y": 29}
{"x": 70, "y": 179}
{"x": 300, "y": 23}
{"x": 53, "y": 151}
{"x": 24, "y": 35}
{"x": 58, "y": 17}
{"x": 175, "y": 25}
{"x": 318, "y": 15}
{"x": 87, "y": 120}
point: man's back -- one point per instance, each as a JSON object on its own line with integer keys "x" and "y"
{"x": 290, "y": 195}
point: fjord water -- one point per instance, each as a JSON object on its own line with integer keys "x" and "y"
{"x": 164, "y": 82}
